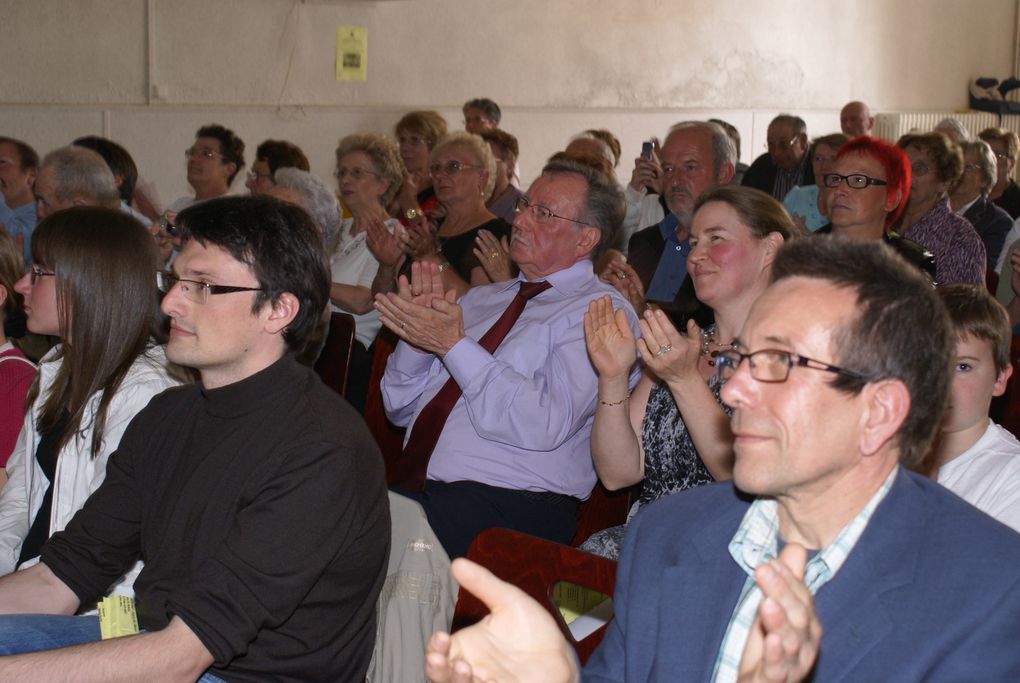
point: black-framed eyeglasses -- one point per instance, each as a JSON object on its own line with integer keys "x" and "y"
{"x": 451, "y": 167}
{"x": 196, "y": 291}
{"x": 773, "y": 365}
{"x": 35, "y": 272}
{"x": 857, "y": 181}
{"x": 540, "y": 213}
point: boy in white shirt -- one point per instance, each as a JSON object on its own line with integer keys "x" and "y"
{"x": 975, "y": 458}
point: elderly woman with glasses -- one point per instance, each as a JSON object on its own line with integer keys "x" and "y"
{"x": 368, "y": 171}
{"x": 968, "y": 197}
{"x": 936, "y": 163}
{"x": 673, "y": 431}
{"x": 1006, "y": 145}
{"x": 463, "y": 175}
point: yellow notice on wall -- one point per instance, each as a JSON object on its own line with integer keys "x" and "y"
{"x": 351, "y": 53}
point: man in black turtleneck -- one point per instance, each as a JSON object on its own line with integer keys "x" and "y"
{"x": 256, "y": 498}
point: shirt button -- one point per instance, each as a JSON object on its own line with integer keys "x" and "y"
{"x": 679, "y": 248}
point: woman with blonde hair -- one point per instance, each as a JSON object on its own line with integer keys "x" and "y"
{"x": 368, "y": 172}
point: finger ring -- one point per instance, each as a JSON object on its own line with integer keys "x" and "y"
{"x": 664, "y": 349}
{"x": 402, "y": 325}
{"x": 494, "y": 254}
{"x": 624, "y": 276}
{"x": 415, "y": 292}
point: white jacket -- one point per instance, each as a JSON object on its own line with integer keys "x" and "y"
{"x": 78, "y": 474}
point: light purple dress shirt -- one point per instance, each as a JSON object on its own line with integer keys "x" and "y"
{"x": 524, "y": 420}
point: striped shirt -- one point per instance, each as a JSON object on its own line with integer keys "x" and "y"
{"x": 757, "y": 542}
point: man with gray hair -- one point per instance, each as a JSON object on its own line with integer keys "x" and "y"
{"x": 696, "y": 156}
{"x": 496, "y": 389}
{"x": 74, "y": 176}
{"x": 969, "y": 198}
{"x": 787, "y": 163}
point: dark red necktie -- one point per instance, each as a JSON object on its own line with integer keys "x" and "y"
{"x": 409, "y": 471}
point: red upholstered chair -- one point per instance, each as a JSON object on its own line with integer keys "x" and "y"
{"x": 334, "y": 361}
{"x": 603, "y": 509}
{"x": 389, "y": 437}
{"x": 535, "y": 566}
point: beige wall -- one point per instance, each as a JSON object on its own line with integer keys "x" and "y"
{"x": 148, "y": 72}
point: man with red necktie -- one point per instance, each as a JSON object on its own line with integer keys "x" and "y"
{"x": 496, "y": 389}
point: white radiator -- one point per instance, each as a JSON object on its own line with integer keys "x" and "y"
{"x": 892, "y": 125}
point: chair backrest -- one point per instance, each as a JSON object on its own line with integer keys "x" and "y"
{"x": 335, "y": 358}
{"x": 535, "y": 566}
{"x": 603, "y": 509}
{"x": 389, "y": 437}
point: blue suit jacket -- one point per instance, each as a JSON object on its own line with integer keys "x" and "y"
{"x": 930, "y": 592}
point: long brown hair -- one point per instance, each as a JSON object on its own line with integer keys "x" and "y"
{"x": 104, "y": 263}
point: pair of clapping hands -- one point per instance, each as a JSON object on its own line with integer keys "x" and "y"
{"x": 519, "y": 642}
{"x": 421, "y": 312}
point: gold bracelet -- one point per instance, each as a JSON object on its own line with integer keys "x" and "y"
{"x": 615, "y": 403}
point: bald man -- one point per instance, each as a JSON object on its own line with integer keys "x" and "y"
{"x": 855, "y": 119}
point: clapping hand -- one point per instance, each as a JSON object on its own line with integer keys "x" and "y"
{"x": 784, "y": 639}
{"x": 625, "y": 279}
{"x": 609, "y": 339}
{"x": 672, "y": 356}
{"x": 494, "y": 256}
{"x": 517, "y": 642}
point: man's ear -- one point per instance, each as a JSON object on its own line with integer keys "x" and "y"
{"x": 282, "y": 313}
{"x": 588, "y": 239}
{"x": 32, "y": 174}
{"x": 726, "y": 173}
{"x": 887, "y": 403}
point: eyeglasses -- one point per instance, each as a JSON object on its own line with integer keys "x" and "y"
{"x": 540, "y": 213}
{"x": 196, "y": 291}
{"x": 972, "y": 167}
{"x": 35, "y": 272}
{"x": 255, "y": 175}
{"x": 450, "y": 168}
{"x": 857, "y": 181}
{"x": 205, "y": 153}
{"x": 1002, "y": 156}
{"x": 773, "y": 365}
{"x": 355, "y": 173}
{"x": 777, "y": 144}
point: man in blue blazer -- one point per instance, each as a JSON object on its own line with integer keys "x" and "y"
{"x": 848, "y": 355}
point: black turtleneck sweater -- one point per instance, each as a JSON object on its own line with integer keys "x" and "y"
{"x": 260, "y": 511}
